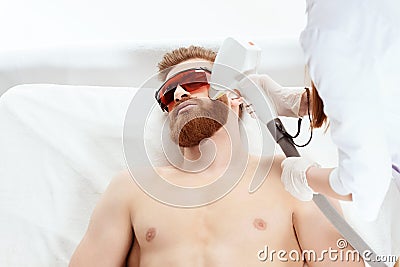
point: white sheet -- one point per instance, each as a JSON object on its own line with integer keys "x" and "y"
{"x": 63, "y": 145}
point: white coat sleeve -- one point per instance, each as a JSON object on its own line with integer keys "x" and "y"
{"x": 345, "y": 76}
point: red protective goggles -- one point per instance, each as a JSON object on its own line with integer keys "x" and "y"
{"x": 189, "y": 79}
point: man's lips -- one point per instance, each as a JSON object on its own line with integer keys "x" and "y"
{"x": 184, "y": 105}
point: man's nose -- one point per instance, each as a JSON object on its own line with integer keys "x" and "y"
{"x": 180, "y": 93}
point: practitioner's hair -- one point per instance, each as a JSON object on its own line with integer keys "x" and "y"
{"x": 318, "y": 115}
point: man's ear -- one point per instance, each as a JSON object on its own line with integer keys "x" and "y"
{"x": 235, "y": 102}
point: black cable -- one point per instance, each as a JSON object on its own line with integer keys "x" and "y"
{"x": 299, "y": 123}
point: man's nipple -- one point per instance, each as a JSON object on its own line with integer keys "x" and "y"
{"x": 259, "y": 224}
{"x": 150, "y": 234}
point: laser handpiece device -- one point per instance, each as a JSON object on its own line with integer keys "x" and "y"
{"x": 235, "y": 60}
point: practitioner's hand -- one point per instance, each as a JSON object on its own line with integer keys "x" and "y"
{"x": 286, "y": 100}
{"x": 294, "y": 177}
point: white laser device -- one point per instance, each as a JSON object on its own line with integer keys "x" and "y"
{"x": 235, "y": 59}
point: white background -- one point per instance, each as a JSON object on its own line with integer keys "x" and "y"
{"x": 43, "y": 23}
{"x": 40, "y": 23}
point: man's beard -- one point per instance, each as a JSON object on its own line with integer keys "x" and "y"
{"x": 201, "y": 121}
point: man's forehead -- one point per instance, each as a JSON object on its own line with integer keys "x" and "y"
{"x": 189, "y": 64}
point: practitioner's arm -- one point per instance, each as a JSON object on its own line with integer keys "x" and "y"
{"x": 318, "y": 180}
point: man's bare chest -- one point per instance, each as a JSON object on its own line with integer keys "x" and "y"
{"x": 237, "y": 218}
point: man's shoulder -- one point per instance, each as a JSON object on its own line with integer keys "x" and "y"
{"x": 123, "y": 178}
{"x": 270, "y": 163}
{"x": 123, "y": 184}
{"x": 305, "y": 207}
{"x": 310, "y": 209}
{"x": 269, "y": 166}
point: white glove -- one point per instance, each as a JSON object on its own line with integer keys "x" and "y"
{"x": 294, "y": 177}
{"x": 286, "y": 100}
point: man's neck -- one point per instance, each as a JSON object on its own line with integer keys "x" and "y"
{"x": 213, "y": 156}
